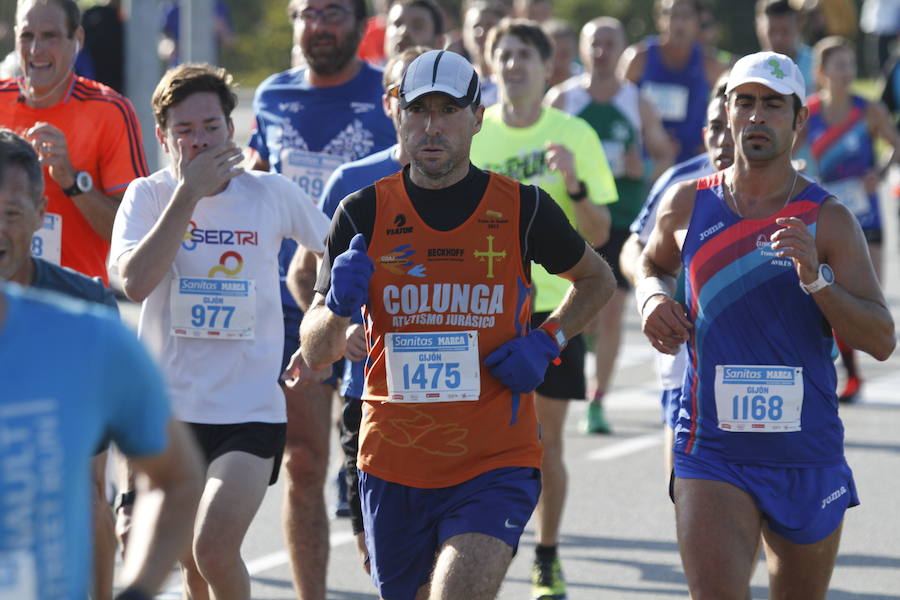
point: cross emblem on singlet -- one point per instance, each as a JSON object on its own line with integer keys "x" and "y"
{"x": 490, "y": 255}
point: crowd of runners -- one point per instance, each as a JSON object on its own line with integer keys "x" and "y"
{"x": 438, "y": 219}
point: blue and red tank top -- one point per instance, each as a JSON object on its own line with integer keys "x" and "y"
{"x": 760, "y": 383}
{"x": 844, "y": 152}
{"x": 680, "y": 97}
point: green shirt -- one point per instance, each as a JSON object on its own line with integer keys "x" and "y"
{"x": 618, "y": 124}
{"x": 518, "y": 152}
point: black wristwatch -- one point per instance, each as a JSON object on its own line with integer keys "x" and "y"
{"x": 122, "y": 500}
{"x": 82, "y": 185}
{"x": 581, "y": 194}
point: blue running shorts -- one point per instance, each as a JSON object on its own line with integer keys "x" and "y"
{"x": 804, "y": 505}
{"x": 670, "y": 400}
{"x": 406, "y": 526}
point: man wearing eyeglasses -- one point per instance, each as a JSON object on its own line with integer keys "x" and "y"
{"x": 310, "y": 120}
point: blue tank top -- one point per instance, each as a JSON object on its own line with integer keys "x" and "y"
{"x": 843, "y": 150}
{"x": 680, "y": 97}
{"x": 760, "y": 383}
{"x": 306, "y": 132}
{"x": 843, "y": 154}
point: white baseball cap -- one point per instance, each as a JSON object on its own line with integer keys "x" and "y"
{"x": 440, "y": 71}
{"x": 771, "y": 69}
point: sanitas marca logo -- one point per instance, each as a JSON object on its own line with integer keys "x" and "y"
{"x": 399, "y": 227}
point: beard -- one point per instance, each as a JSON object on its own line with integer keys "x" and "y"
{"x": 328, "y": 60}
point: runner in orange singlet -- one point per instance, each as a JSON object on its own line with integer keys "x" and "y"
{"x": 439, "y": 257}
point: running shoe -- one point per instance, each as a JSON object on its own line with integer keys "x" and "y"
{"x": 547, "y": 581}
{"x": 595, "y": 420}
{"x": 851, "y": 390}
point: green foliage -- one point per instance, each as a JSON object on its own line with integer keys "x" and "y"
{"x": 263, "y": 40}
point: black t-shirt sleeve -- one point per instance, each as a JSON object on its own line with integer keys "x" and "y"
{"x": 355, "y": 214}
{"x": 548, "y": 237}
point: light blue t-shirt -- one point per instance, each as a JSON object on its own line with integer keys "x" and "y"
{"x": 344, "y": 181}
{"x": 306, "y": 132}
{"x": 70, "y": 374}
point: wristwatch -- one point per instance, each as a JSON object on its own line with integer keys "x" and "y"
{"x": 580, "y": 195}
{"x": 82, "y": 185}
{"x": 826, "y": 278}
{"x": 554, "y": 330}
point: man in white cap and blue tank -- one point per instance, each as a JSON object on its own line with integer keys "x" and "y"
{"x": 773, "y": 264}
{"x": 437, "y": 256}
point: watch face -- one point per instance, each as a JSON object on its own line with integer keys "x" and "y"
{"x": 84, "y": 181}
{"x": 827, "y": 273}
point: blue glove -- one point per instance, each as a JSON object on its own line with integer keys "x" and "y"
{"x": 350, "y": 275}
{"x": 522, "y": 362}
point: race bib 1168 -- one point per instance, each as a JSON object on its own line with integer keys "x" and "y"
{"x": 759, "y": 398}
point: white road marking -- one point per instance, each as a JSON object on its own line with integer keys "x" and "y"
{"x": 262, "y": 564}
{"x": 626, "y": 447}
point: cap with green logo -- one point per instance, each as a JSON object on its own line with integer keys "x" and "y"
{"x": 771, "y": 69}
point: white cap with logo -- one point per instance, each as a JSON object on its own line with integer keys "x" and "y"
{"x": 771, "y": 69}
{"x": 440, "y": 71}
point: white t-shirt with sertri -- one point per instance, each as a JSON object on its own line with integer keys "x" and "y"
{"x": 214, "y": 322}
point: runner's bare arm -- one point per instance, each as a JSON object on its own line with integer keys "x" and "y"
{"x": 254, "y": 162}
{"x": 880, "y": 122}
{"x": 168, "y": 490}
{"x": 144, "y": 267}
{"x": 632, "y": 62}
{"x": 593, "y": 285}
{"x": 592, "y": 220}
{"x": 323, "y": 336}
{"x": 655, "y": 138}
{"x": 663, "y": 319}
{"x": 98, "y": 208}
{"x": 854, "y": 305}
{"x": 629, "y": 257}
{"x": 301, "y": 276}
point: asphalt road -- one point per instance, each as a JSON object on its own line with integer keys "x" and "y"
{"x": 618, "y": 534}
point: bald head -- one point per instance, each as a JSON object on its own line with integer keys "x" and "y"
{"x": 601, "y": 44}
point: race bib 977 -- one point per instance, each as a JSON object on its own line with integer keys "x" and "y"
{"x": 213, "y": 309}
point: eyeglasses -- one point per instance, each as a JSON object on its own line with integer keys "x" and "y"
{"x": 330, "y": 15}
{"x": 393, "y": 91}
